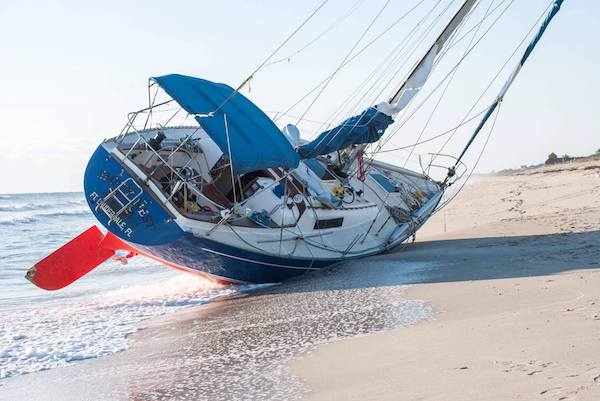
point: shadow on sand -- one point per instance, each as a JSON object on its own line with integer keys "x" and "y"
{"x": 239, "y": 348}
{"x": 457, "y": 260}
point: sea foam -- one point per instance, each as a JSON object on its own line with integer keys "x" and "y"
{"x": 53, "y": 335}
{"x": 25, "y": 205}
{"x": 11, "y": 220}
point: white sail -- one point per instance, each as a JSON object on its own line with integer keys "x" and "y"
{"x": 420, "y": 73}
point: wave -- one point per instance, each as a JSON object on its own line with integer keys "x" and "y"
{"x": 15, "y": 220}
{"x": 21, "y": 207}
{"x": 33, "y": 218}
{"x": 76, "y": 212}
{"x": 96, "y": 326}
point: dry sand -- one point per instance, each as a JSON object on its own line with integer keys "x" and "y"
{"x": 520, "y": 319}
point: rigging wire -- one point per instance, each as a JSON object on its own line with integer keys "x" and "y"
{"x": 280, "y": 113}
{"x": 415, "y": 48}
{"x": 446, "y": 202}
{"x": 453, "y": 37}
{"x": 372, "y": 154}
{"x": 358, "y": 53}
{"x": 456, "y": 41}
{"x": 448, "y": 83}
{"x": 405, "y": 111}
{"x": 271, "y": 56}
{"x": 344, "y": 60}
{"x": 435, "y": 136}
{"x": 351, "y": 11}
{"x": 476, "y": 26}
{"x": 395, "y": 55}
{"x": 497, "y": 103}
{"x": 383, "y": 142}
{"x": 386, "y": 140}
{"x": 500, "y": 71}
{"x": 419, "y": 42}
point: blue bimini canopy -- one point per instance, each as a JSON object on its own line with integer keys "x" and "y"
{"x": 366, "y": 127}
{"x": 256, "y": 142}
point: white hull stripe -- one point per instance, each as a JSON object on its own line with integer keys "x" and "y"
{"x": 256, "y": 261}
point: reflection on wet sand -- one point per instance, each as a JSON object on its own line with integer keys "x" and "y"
{"x": 239, "y": 348}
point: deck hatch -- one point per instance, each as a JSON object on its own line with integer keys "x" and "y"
{"x": 328, "y": 223}
{"x": 384, "y": 182}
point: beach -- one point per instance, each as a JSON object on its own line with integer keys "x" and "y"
{"x": 518, "y": 320}
{"x": 497, "y": 299}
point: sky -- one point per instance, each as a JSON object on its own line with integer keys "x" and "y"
{"x": 72, "y": 70}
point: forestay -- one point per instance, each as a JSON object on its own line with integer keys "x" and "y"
{"x": 422, "y": 70}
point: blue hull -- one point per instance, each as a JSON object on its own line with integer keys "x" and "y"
{"x": 150, "y": 228}
{"x": 227, "y": 262}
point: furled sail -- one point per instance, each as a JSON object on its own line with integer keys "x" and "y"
{"x": 250, "y": 136}
{"x": 370, "y": 125}
{"x": 420, "y": 73}
{"x": 366, "y": 127}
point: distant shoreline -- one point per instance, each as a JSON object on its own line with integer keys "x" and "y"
{"x": 571, "y": 160}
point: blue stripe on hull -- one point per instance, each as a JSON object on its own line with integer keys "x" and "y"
{"x": 205, "y": 255}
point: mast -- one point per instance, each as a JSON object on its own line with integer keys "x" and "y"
{"x": 419, "y": 74}
{"x": 551, "y": 14}
{"x": 417, "y": 78}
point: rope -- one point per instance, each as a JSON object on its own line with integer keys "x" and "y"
{"x": 270, "y": 56}
{"x": 383, "y": 142}
{"x": 344, "y": 60}
{"x": 353, "y": 8}
{"x": 369, "y": 44}
{"x": 476, "y": 162}
{"x": 448, "y": 84}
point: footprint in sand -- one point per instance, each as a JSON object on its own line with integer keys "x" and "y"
{"x": 551, "y": 391}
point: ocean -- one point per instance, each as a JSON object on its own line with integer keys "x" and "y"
{"x": 93, "y": 317}
{"x": 39, "y": 329}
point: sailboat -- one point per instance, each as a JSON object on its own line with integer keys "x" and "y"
{"x": 231, "y": 196}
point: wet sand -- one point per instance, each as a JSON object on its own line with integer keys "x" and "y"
{"x": 512, "y": 286}
{"x": 517, "y": 303}
{"x": 514, "y": 339}
{"x": 238, "y": 348}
